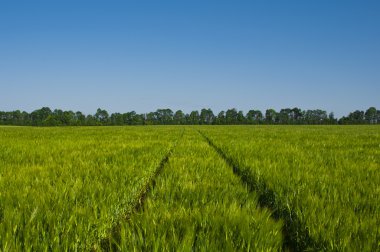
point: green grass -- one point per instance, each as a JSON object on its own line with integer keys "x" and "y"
{"x": 63, "y": 188}
{"x": 293, "y": 187}
{"x": 199, "y": 204}
{"x": 327, "y": 176}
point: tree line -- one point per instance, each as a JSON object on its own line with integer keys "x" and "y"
{"x": 47, "y": 117}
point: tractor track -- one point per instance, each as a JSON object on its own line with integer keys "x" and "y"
{"x": 296, "y": 233}
{"x": 110, "y": 242}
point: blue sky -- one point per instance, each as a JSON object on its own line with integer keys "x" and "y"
{"x": 144, "y": 55}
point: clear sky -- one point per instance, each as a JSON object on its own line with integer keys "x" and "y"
{"x": 145, "y": 55}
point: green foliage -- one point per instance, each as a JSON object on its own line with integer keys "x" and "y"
{"x": 46, "y": 117}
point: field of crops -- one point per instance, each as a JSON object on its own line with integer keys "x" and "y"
{"x": 323, "y": 181}
{"x": 65, "y": 187}
{"x": 197, "y": 203}
{"x": 208, "y": 188}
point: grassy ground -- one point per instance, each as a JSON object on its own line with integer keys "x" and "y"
{"x": 62, "y": 188}
{"x": 210, "y": 188}
{"x": 198, "y": 204}
{"x": 324, "y": 179}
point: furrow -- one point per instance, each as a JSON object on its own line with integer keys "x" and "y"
{"x": 109, "y": 243}
{"x": 199, "y": 205}
{"x": 296, "y": 233}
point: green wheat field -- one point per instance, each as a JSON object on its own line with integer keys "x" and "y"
{"x": 190, "y": 188}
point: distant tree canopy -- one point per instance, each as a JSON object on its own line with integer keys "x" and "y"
{"x": 46, "y": 117}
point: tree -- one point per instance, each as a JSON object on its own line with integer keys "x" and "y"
{"x": 207, "y": 116}
{"x": 297, "y": 115}
{"x": 51, "y": 120}
{"x": 332, "y": 119}
{"x": 150, "y": 118}
{"x": 101, "y": 117}
{"x": 40, "y": 115}
{"x": 290, "y": 116}
{"x": 371, "y": 115}
{"x": 254, "y": 116}
{"x": 316, "y": 116}
{"x": 57, "y": 117}
{"x": 46, "y": 117}
{"x": 356, "y": 117}
{"x": 80, "y": 118}
{"x": 194, "y": 117}
{"x": 285, "y": 116}
{"x": 231, "y": 116}
{"x": 240, "y": 118}
{"x": 179, "y": 117}
{"x": 221, "y": 118}
{"x": 116, "y": 119}
{"x": 16, "y": 117}
{"x": 139, "y": 119}
{"x": 91, "y": 120}
{"x": 68, "y": 118}
{"x": 129, "y": 118}
{"x": 164, "y": 116}
{"x": 343, "y": 120}
{"x": 270, "y": 116}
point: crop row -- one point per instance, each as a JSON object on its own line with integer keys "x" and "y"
{"x": 323, "y": 181}
{"x": 198, "y": 204}
{"x": 79, "y": 188}
{"x": 66, "y": 188}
